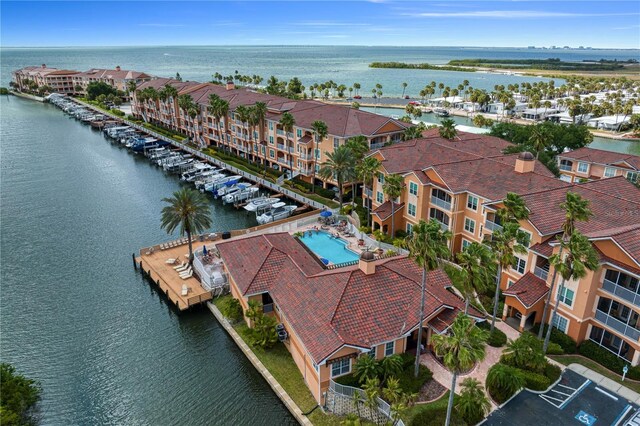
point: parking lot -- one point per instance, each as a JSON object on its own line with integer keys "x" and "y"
{"x": 575, "y": 400}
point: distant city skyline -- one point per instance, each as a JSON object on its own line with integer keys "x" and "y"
{"x": 378, "y": 22}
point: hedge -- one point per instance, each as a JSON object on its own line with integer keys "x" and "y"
{"x": 323, "y": 192}
{"x": 607, "y": 359}
{"x": 497, "y": 338}
{"x": 535, "y": 381}
{"x": 436, "y": 416}
{"x": 552, "y": 372}
{"x": 568, "y": 345}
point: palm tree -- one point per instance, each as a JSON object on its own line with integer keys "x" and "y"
{"x": 580, "y": 258}
{"x": 366, "y": 171}
{"x": 359, "y": 146}
{"x": 539, "y": 139}
{"x": 340, "y": 165}
{"x": 427, "y": 245}
{"x": 508, "y": 241}
{"x": 404, "y": 87}
{"x": 460, "y": 350}
{"x": 258, "y": 117}
{"x": 320, "y": 131}
{"x": 219, "y": 108}
{"x": 287, "y": 121}
{"x": 472, "y": 404}
{"x": 131, "y": 87}
{"x": 576, "y": 209}
{"x": 245, "y": 114}
{"x": 476, "y": 273}
{"x": 447, "y": 129}
{"x": 392, "y": 187}
{"x": 188, "y": 211}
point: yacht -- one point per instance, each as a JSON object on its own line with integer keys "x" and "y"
{"x": 260, "y": 203}
{"x": 227, "y": 188}
{"x": 242, "y": 192}
{"x": 197, "y": 169}
{"x": 219, "y": 183}
{"x": 202, "y": 181}
{"x": 278, "y": 211}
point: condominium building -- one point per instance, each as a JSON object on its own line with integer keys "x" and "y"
{"x": 334, "y": 316}
{"x": 296, "y": 151}
{"x": 117, "y": 78}
{"x": 586, "y": 164}
{"x": 604, "y": 306}
{"x": 61, "y": 81}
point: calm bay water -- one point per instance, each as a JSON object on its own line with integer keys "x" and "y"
{"x": 312, "y": 64}
{"x": 74, "y": 314}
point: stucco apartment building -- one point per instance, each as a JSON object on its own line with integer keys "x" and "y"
{"x": 288, "y": 151}
{"x": 334, "y": 316}
{"x": 117, "y": 78}
{"x": 586, "y": 164}
{"x": 605, "y": 305}
{"x": 61, "y": 81}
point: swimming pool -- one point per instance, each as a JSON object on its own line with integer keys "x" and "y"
{"x": 326, "y": 246}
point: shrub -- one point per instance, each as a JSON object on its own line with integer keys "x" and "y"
{"x": 568, "y": 345}
{"x": 552, "y": 372}
{"x": 365, "y": 368}
{"x": 554, "y": 349}
{"x": 602, "y": 356}
{"x": 232, "y": 309}
{"x": 497, "y": 338}
{"x": 472, "y": 403}
{"x": 19, "y": 394}
{"x": 535, "y": 381}
{"x": 117, "y": 112}
{"x": 503, "y": 381}
{"x": 264, "y": 331}
{"x": 435, "y": 416}
{"x": 525, "y": 352}
{"x": 410, "y": 384}
{"x": 348, "y": 380}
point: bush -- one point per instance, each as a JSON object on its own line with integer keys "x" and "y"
{"x": 503, "y": 381}
{"x": 435, "y": 416}
{"x": 306, "y": 187}
{"x": 602, "y": 356}
{"x": 410, "y": 384}
{"x": 348, "y": 380}
{"x": 231, "y": 309}
{"x": 552, "y": 372}
{"x": 117, "y": 112}
{"x": 554, "y": 349}
{"x": 497, "y": 338}
{"x": 19, "y": 395}
{"x": 535, "y": 381}
{"x": 568, "y": 345}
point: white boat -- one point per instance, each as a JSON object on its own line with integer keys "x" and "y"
{"x": 260, "y": 203}
{"x": 228, "y": 188}
{"x": 278, "y": 211}
{"x": 243, "y": 192}
{"x": 217, "y": 184}
{"x": 202, "y": 181}
{"x": 196, "y": 171}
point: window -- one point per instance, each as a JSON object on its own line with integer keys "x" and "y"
{"x": 566, "y": 296}
{"x": 509, "y": 283}
{"x": 527, "y": 243}
{"x": 271, "y": 125}
{"x": 315, "y": 367}
{"x": 609, "y": 172}
{"x": 341, "y": 367}
{"x": 379, "y": 197}
{"x": 519, "y": 265}
{"x": 255, "y": 135}
{"x": 270, "y": 140}
{"x": 380, "y": 178}
{"x": 336, "y": 142}
{"x": 440, "y": 216}
{"x": 272, "y": 153}
{"x": 389, "y": 348}
{"x": 411, "y": 208}
{"x": 469, "y": 225}
{"x": 299, "y": 133}
{"x": 561, "y": 323}
{"x": 472, "y": 202}
{"x": 372, "y": 353}
{"x": 317, "y": 151}
{"x": 413, "y": 188}
{"x": 633, "y": 176}
{"x": 409, "y": 228}
{"x": 465, "y": 243}
{"x": 583, "y": 167}
{"x": 566, "y": 165}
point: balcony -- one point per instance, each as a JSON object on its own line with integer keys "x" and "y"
{"x": 621, "y": 292}
{"x": 565, "y": 167}
{"x": 280, "y": 132}
{"x": 441, "y": 203}
{"x": 541, "y": 273}
{"x": 617, "y": 325}
{"x": 492, "y": 226}
{"x": 281, "y": 146}
{"x": 306, "y": 157}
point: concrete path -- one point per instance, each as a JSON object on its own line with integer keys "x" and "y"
{"x": 606, "y": 382}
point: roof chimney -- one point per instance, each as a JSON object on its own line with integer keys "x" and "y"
{"x": 117, "y": 67}
{"x": 44, "y": 65}
{"x": 525, "y": 162}
{"x": 366, "y": 263}
{"x": 230, "y": 85}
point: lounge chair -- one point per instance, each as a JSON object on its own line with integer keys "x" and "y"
{"x": 182, "y": 265}
{"x": 186, "y": 271}
{"x": 183, "y": 269}
{"x": 171, "y": 261}
{"x": 187, "y": 276}
{"x": 185, "y": 290}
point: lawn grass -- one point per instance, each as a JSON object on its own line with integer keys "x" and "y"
{"x": 281, "y": 365}
{"x": 592, "y": 365}
{"x": 440, "y": 403}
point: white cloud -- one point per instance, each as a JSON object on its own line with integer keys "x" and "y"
{"x": 507, "y": 14}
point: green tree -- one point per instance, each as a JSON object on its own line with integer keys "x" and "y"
{"x": 404, "y": 87}
{"x": 390, "y": 366}
{"x": 18, "y": 397}
{"x": 97, "y": 88}
{"x": 188, "y": 211}
{"x": 576, "y": 209}
{"x": 508, "y": 241}
{"x": 365, "y": 368}
{"x": 525, "y": 352}
{"x": 366, "y": 171}
{"x": 320, "y": 131}
{"x": 460, "y": 350}
{"x": 258, "y": 117}
{"x": 340, "y": 165}
{"x": 428, "y": 246}
{"x": 413, "y": 132}
{"x": 503, "y": 381}
{"x": 392, "y": 187}
{"x": 472, "y": 404}
{"x": 447, "y": 129}
{"x": 219, "y": 108}
{"x": 264, "y": 331}
{"x": 476, "y": 272}
{"x": 539, "y": 139}
{"x": 359, "y": 146}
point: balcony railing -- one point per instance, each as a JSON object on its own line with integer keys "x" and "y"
{"x": 492, "y": 226}
{"x": 565, "y": 167}
{"x": 305, "y": 156}
{"x": 617, "y": 325}
{"x": 441, "y": 203}
{"x": 281, "y": 146}
{"x": 541, "y": 273}
{"x": 621, "y": 292}
{"x": 280, "y": 132}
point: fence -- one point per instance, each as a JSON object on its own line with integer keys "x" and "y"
{"x": 267, "y": 184}
{"x": 342, "y": 400}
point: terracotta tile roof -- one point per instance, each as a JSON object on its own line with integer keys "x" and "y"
{"x": 543, "y": 249}
{"x": 305, "y": 139}
{"x": 528, "y": 290}
{"x": 383, "y": 211}
{"x": 330, "y": 308}
{"x": 615, "y": 202}
{"x": 600, "y": 156}
{"x": 627, "y": 237}
{"x": 443, "y": 320}
{"x": 113, "y": 74}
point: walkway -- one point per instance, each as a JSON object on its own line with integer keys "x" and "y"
{"x": 606, "y": 382}
{"x": 479, "y": 372}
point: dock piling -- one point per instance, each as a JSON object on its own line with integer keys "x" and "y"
{"x": 133, "y": 257}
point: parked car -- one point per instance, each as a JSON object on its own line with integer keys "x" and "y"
{"x": 407, "y": 97}
{"x": 415, "y": 103}
{"x": 357, "y": 97}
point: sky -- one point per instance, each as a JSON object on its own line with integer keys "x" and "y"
{"x": 514, "y": 23}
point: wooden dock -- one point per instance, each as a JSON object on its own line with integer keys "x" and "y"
{"x": 152, "y": 262}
